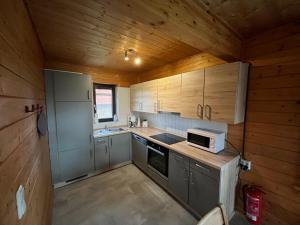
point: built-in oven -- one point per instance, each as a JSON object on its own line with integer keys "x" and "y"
{"x": 158, "y": 159}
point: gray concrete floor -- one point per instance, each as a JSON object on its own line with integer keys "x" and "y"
{"x": 119, "y": 197}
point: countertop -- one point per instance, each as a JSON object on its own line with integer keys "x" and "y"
{"x": 215, "y": 160}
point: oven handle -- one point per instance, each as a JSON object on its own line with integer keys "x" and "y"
{"x": 155, "y": 150}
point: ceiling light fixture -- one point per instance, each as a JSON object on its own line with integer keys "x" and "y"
{"x": 126, "y": 58}
{"x": 137, "y": 59}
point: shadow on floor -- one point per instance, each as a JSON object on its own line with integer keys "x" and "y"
{"x": 238, "y": 220}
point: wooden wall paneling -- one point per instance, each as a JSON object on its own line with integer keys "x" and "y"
{"x": 99, "y": 74}
{"x": 24, "y": 156}
{"x": 272, "y": 140}
{"x": 195, "y": 62}
{"x": 24, "y": 40}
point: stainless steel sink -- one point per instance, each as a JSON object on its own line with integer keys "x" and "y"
{"x": 108, "y": 131}
{"x": 116, "y": 129}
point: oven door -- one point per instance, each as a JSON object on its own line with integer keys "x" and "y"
{"x": 158, "y": 160}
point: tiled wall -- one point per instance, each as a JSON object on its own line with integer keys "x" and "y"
{"x": 176, "y": 124}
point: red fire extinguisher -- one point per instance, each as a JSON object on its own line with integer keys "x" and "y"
{"x": 253, "y": 204}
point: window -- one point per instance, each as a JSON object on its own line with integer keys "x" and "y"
{"x": 104, "y": 102}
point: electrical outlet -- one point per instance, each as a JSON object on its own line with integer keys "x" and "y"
{"x": 245, "y": 164}
{"x": 21, "y": 204}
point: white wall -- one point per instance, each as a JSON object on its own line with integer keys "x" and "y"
{"x": 123, "y": 109}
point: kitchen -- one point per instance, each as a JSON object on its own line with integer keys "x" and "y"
{"x": 110, "y": 115}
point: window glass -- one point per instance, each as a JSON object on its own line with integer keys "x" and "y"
{"x": 104, "y": 102}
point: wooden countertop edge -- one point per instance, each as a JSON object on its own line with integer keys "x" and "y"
{"x": 216, "y": 160}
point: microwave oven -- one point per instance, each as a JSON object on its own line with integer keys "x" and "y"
{"x": 206, "y": 139}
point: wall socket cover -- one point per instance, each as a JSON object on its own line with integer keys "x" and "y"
{"x": 245, "y": 164}
{"x": 21, "y": 204}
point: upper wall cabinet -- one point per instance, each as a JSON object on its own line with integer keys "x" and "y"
{"x": 192, "y": 87}
{"x": 72, "y": 87}
{"x": 149, "y": 99}
{"x": 168, "y": 93}
{"x": 136, "y": 97}
{"x": 225, "y": 92}
{"x": 143, "y": 97}
{"x": 216, "y": 93}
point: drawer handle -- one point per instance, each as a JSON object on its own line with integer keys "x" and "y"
{"x": 202, "y": 167}
{"x": 178, "y": 157}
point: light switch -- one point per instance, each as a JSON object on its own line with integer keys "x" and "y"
{"x": 21, "y": 204}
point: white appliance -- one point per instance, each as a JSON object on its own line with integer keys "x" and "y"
{"x": 138, "y": 124}
{"x": 206, "y": 139}
{"x": 145, "y": 123}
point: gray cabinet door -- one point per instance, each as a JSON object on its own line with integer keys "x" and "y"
{"x": 139, "y": 151}
{"x": 120, "y": 146}
{"x": 179, "y": 175}
{"x": 74, "y": 125}
{"x": 75, "y": 163}
{"x": 101, "y": 153}
{"x": 72, "y": 87}
{"x": 74, "y": 138}
{"x": 203, "y": 187}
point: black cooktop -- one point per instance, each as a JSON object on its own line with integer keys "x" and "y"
{"x": 168, "y": 138}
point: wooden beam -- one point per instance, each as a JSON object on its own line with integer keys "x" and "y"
{"x": 185, "y": 20}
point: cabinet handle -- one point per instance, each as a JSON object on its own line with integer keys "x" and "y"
{"x": 105, "y": 149}
{"x": 110, "y": 142}
{"x": 200, "y": 111}
{"x": 191, "y": 178}
{"x": 209, "y": 112}
{"x": 178, "y": 157}
{"x": 186, "y": 174}
{"x": 91, "y": 154}
{"x": 91, "y": 138}
{"x": 88, "y": 94}
{"x": 202, "y": 167}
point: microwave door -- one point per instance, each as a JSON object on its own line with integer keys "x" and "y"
{"x": 199, "y": 140}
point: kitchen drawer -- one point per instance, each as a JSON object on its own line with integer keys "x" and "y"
{"x": 205, "y": 169}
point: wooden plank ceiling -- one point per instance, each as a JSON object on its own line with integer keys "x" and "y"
{"x": 96, "y": 32}
{"x": 248, "y": 18}
{"x": 82, "y": 32}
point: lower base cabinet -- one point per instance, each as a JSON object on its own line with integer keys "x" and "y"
{"x": 203, "y": 187}
{"x": 193, "y": 183}
{"x": 120, "y": 149}
{"x": 112, "y": 151}
{"x": 75, "y": 163}
{"x": 179, "y": 176}
{"x": 101, "y": 154}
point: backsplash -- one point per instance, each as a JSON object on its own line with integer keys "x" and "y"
{"x": 176, "y": 124}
